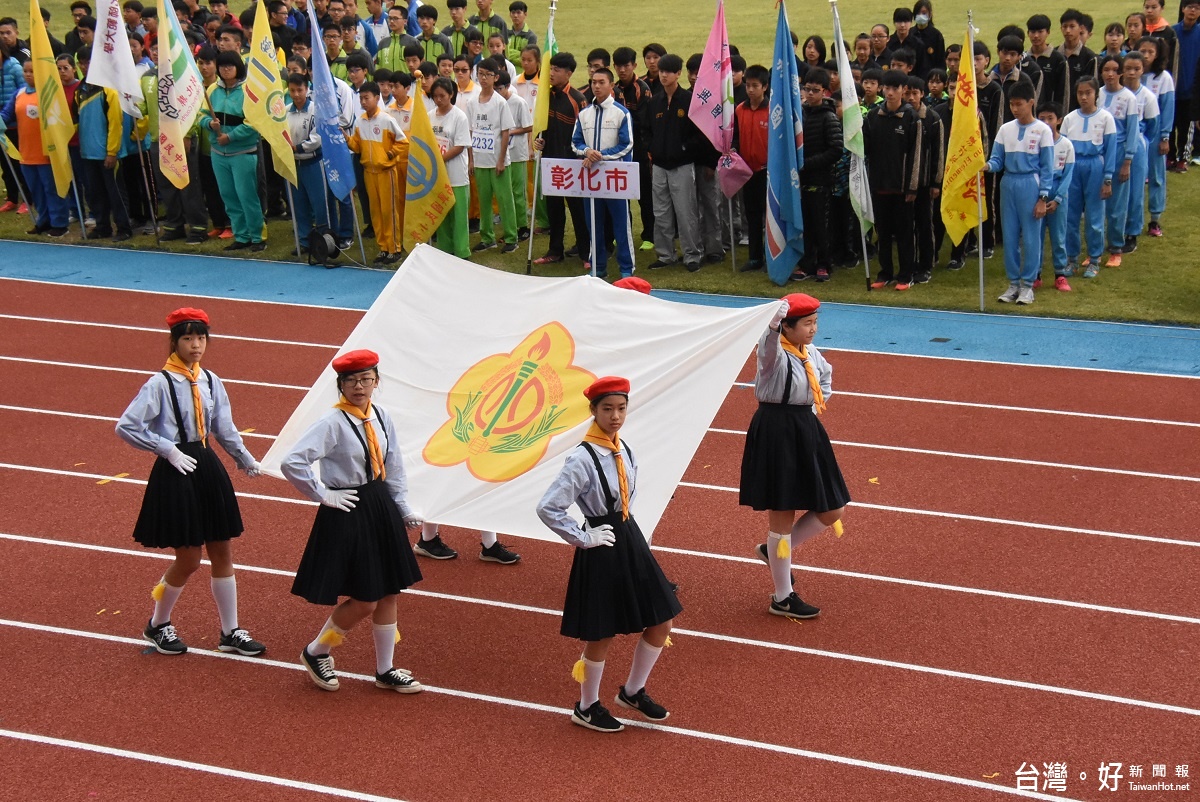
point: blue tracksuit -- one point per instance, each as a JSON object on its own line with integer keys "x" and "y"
{"x": 1055, "y": 223}
{"x": 1094, "y": 138}
{"x": 1163, "y": 87}
{"x": 1147, "y": 107}
{"x": 1123, "y": 106}
{"x": 1026, "y": 155}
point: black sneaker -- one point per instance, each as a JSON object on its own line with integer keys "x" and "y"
{"x": 483, "y": 246}
{"x": 509, "y": 247}
{"x": 240, "y": 641}
{"x": 258, "y": 247}
{"x": 714, "y": 258}
{"x": 955, "y": 264}
{"x": 760, "y": 551}
{"x": 368, "y": 233}
{"x": 793, "y": 607}
{"x": 642, "y": 703}
{"x": 398, "y": 680}
{"x": 172, "y": 234}
{"x": 164, "y": 638}
{"x": 800, "y": 275}
{"x": 237, "y": 246}
{"x": 522, "y": 234}
{"x": 56, "y": 232}
{"x": 596, "y": 718}
{"x": 657, "y": 263}
{"x": 692, "y": 267}
{"x": 1130, "y": 245}
{"x": 988, "y": 253}
{"x": 923, "y": 277}
{"x": 196, "y": 238}
{"x": 122, "y": 236}
{"x": 751, "y": 266}
{"x": 435, "y": 549}
{"x": 320, "y": 668}
{"x": 499, "y": 553}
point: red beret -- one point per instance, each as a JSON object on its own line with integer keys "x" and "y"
{"x": 801, "y": 305}
{"x": 609, "y": 385}
{"x": 187, "y": 315}
{"x": 633, "y": 283}
{"x": 355, "y": 361}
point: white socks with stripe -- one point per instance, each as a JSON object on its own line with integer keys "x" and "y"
{"x": 589, "y": 689}
{"x": 164, "y": 606}
{"x": 322, "y": 644}
{"x": 781, "y": 567}
{"x": 428, "y": 531}
{"x": 224, "y": 591}
{"x": 644, "y": 658}
{"x": 805, "y": 527}
{"x": 488, "y": 539}
{"x": 385, "y": 646}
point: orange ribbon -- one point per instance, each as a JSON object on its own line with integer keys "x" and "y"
{"x": 597, "y": 436}
{"x": 377, "y": 467}
{"x": 813, "y": 382}
{"x": 177, "y": 365}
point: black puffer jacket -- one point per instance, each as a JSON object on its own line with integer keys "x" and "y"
{"x": 822, "y": 144}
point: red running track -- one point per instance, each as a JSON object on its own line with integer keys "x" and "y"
{"x": 872, "y": 680}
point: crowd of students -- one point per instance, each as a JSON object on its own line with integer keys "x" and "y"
{"x": 1126, "y": 113}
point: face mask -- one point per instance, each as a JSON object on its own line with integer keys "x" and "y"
{"x": 922, "y": 20}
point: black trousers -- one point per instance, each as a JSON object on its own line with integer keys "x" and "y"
{"x": 556, "y": 210}
{"x": 646, "y": 198}
{"x": 182, "y": 206}
{"x": 754, "y": 197}
{"x": 212, "y": 193}
{"x": 135, "y": 181}
{"x": 106, "y": 198}
{"x": 923, "y": 216}
{"x": 14, "y": 182}
{"x": 814, "y": 205}
{"x": 894, "y": 225}
{"x": 1183, "y": 126}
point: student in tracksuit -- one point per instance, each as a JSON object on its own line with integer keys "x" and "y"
{"x": 1024, "y": 152}
{"x": 929, "y": 180}
{"x": 102, "y": 143}
{"x": 1055, "y": 221}
{"x": 1122, "y": 105}
{"x": 235, "y": 153}
{"x": 1093, "y": 135}
{"x": 21, "y": 111}
{"x": 185, "y": 206}
{"x": 376, "y": 140}
{"x": 308, "y": 198}
{"x": 604, "y": 132}
{"x": 893, "y": 146}
{"x": 1159, "y": 81}
{"x": 1147, "y": 132}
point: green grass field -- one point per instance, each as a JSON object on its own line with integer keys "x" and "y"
{"x": 1160, "y": 283}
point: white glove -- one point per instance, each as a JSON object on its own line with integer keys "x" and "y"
{"x": 254, "y": 470}
{"x": 180, "y": 461}
{"x": 601, "y": 535}
{"x": 343, "y": 500}
{"x": 413, "y": 522}
{"x": 780, "y": 314}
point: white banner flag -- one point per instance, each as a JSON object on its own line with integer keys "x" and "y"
{"x": 486, "y": 386}
{"x": 112, "y": 60}
{"x": 604, "y": 179}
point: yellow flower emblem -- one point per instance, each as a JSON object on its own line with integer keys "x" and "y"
{"x": 505, "y": 408}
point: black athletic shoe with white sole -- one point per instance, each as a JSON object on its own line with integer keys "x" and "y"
{"x": 239, "y": 641}
{"x": 642, "y": 703}
{"x": 793, "y": 607}
{"x": 399, "y": 680}
{"x": 164, "y": 637}
{"x": 435, "y": 549}
{"x": 320, "y": 668}
{"x": 596, "y": 718}
{"x": 499, "y": 553}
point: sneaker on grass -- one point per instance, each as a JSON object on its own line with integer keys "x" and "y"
{"x": 499, "y": 553}
{"x": 435, "y": 549}
{"x": 164, "y": 637}
{"x": 642, "y": 703}
{"x": 398, "y": 680}
{"x": 1025, "y": 296}
{"x": 239, "y": 641}
{"x": 1010, "y": 294}
{"x": 320, "y": 669}
{"x": 596, "y": 718}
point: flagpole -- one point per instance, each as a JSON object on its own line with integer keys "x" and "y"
{"x": 978, "y": 176}
{"x": 292, "y": 207}
{"x": 79, "y": 207}
{"x": 537, "y": 174}
{"x": 595, "y": 233}
{"x": 150, "y": 202}
{"x": 17, "y": 176}
{"x": 732, "y": 238}
{"x": 357, "y": 231}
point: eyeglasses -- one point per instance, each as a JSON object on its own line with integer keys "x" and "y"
{"x": 812, "y": 90}
{"x": 367, "y": 382}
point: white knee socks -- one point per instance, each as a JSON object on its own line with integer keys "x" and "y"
{"x": 385, "y": 646}
{"x": 428, "y": 531}
{"x": 781, "y": 567}
{"x": 589, "y": 689}
{"x": 488, "y": 539}
{"x": 331, "y": 635}
{"x": 644, "y": 658}
{"x": 224, "y": 591}
{"x": 805, "y": 527}
{"x": 165, "y": 597}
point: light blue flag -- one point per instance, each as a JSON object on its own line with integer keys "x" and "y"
{"x": 785, "y": 157}
{"x": 335, "y": 153}
{"x": 413, "y": 28}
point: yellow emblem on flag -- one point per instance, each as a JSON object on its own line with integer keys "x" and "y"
{"x": 504, "y": 409}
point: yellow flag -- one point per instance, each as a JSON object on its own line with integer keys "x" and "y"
{"x": 54, "y": 116}
{"x": 10, "y": 148}
{"x": 964, "y": 158}
{"x": 266, "y": 96}
{"x": 428, "y": 194}
{"x": 541, "y": 104}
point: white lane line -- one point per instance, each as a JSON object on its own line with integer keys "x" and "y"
{"x": 561, "y": 711}
{"x": 141, "y": 372}
{"x": 159, "y": 331}
{"x": 733, "y": 639}
{"x": 959, "y": 516}
{"x": 104, "y": 418}
{"x": 222, "y": 771}
{"x": 987, "y": 458}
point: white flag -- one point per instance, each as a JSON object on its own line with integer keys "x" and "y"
{"x": 485, "y": 421}
{"x": 180, "y": 94}
{"x": 112, "y": 60}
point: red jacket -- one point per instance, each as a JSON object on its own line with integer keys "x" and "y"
{"x": 750, "y": 128}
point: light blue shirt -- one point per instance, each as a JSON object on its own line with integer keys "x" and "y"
{"x": 1093, "y": 136}
{"x": 1122, "y": 105}
{"x": 578, "y": 483}
{"x": 1025, "y": 150}
{"x": 771, "y": 378}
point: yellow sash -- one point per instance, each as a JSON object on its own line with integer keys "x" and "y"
{"x": 813, "y": 382}
{"x": 177, "y": 365}
{"x": 597, "y": 436}
{"x": 377, "y": 468}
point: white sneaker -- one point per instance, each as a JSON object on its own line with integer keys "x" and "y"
{"x": 1010, "y": 294}
{"x": 1025, "y": 296}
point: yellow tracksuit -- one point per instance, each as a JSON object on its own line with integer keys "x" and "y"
{"x": 378, "y": 140}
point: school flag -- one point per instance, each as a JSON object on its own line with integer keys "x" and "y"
{"x": 112, "y": 62}
{"x": 428, "y": 195}
{"x": 541, "y": 104}
{"x": 180, "y": 93}
{"x": 335, "y": 153}
{"x": 712, "y": 105}
{"x": 852, "y": 132}
{"x": 266, "y": 96}
{"x": 10, "y": 148}
{"x": 412, "y": 27}
{"x": 964, "y": 158}
{"x": 54, "y": 116}
{"x": 485, "y": 423}
{"x": 785, "y": 157}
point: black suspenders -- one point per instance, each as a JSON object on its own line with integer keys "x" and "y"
{"x": 608, "y": 496}
{"x": 176, "y": 407}
{"x": 363, "y": 441}
{"x": 787, "y": 384}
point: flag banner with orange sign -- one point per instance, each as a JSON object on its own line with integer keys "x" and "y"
{"x": 483, "y": 373}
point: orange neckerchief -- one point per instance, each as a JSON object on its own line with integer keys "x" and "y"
{"x": 813, "y": 382}
{"x": 596, "y": 435}
{"x": 377, "y": 468}
{"x": 177, "y": 365}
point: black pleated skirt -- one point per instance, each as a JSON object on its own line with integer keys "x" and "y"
{"x": 617, "y": 590}
{"x": 788, "y": 463}
{"x": 363, "y": 554}
{"x": 180, "y": 510}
